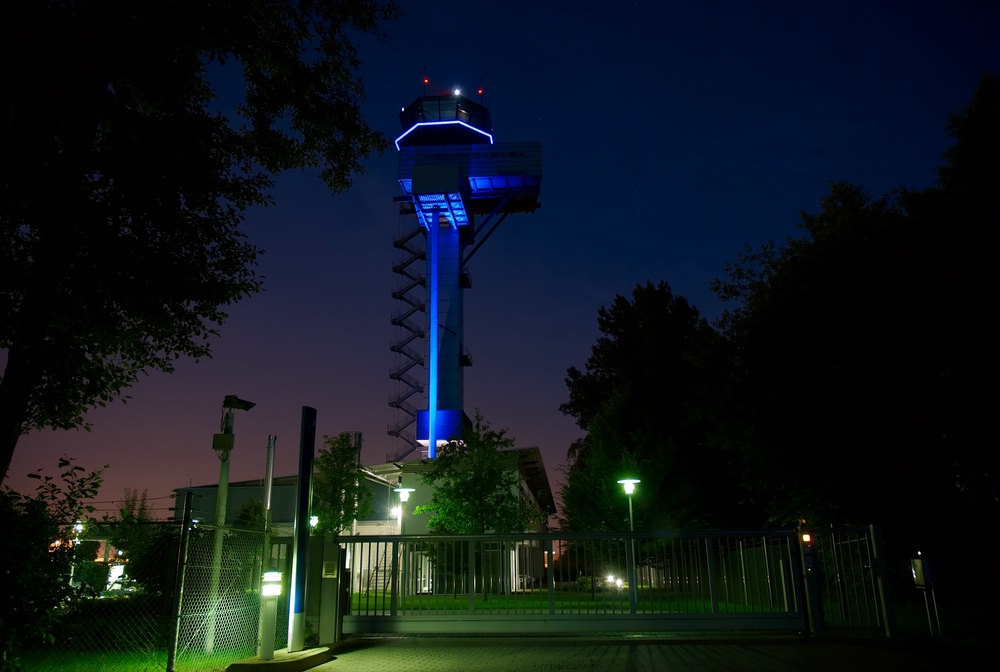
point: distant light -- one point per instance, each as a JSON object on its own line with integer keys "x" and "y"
{"x": 611, "y": 579}
{"x": 458, "y": 92}
{"x": 806, "y": 537}
{"x": 396, "y": 512}
{"x": 313, "y": 521}
{"x": 480, "y": 92}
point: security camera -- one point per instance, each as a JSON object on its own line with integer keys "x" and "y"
{"x": 232, "y": 401}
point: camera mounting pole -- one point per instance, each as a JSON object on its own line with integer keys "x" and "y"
{"x": 222, "y": 444}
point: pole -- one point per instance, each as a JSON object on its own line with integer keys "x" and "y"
{"x": 633, "y": 588}
{"x": 297, "y": 589}
{"x": 265, "y": 552}
{"x": 223, "y": 446}
{"x": 182, "y": 559}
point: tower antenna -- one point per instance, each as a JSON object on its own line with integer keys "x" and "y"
{"x": 426, "y": 81}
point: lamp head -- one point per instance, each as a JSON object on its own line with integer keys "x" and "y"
{"x": 271, "y": 583}
{"x": 629, "y": 484}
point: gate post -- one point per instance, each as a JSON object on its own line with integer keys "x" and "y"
{"x": 394, "y": 580}
{"x": 182, "y": 561}
{"x": 633, "y": 587}
{"x": 331, "y": 615}
{"x": 814, "y": 607}
{"x": 471, "y": 576}
{"x": 882, "y": 569}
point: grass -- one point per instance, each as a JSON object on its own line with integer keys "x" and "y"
{"x": 56, "y": 660}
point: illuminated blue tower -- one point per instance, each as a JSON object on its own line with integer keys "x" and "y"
{"x": 458, "y": 186}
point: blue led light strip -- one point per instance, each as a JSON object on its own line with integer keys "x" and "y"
{"x": 434, "y": 231}
{"x": 443, "y": 123}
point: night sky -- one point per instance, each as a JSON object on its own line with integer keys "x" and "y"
{"x": 672, "y": 134}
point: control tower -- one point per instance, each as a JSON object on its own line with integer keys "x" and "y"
{"x": 458, "y": 185}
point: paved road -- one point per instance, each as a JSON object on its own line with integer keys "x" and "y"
{"x": 547, "y": 654}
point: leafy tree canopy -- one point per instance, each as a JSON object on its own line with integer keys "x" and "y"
{"x": 340, "y": 492}
{"x": 475, "y": 485}
{"x": 651, "y": 400}
{"x": 125, "y": 180}
{"x": 39, "y": 539}
{"x": 865, "y": 347}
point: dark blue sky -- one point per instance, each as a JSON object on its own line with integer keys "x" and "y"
{"x": 671, "y": 136}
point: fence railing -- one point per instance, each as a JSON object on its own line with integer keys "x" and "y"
{"x": 145, "y": 619}
{"x": 717, "y": 579}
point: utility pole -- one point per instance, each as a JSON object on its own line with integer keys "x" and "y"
{"x": 223, "y": 445}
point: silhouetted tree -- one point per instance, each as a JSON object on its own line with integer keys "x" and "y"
{"x": 127, "y": 174}
{"x": 651, "y": 401}
{"x": 340, "y": 492}
{"x": 865, "y": 352}
{"x": 39, "y": 541}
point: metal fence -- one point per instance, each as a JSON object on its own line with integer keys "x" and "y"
{"x": 132, "y": 613}
{"x": 219, "y": 606}
{"x": 553, "y": 582}
{"x": 714, "y": 580}
{"x": 183, "y": 598}
{"x": 849, "y": 578}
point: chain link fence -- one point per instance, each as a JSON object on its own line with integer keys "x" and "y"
{"x": 150, "y": 597}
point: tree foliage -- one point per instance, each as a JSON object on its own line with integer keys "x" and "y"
{"x": 651, "y": 400}
{"x": 341, "y": 493}
{"x": 127, "y": 174}
{"x": 39, "y": 542}
{"x": 148, "y": 547}
{"x": 865, "y": 350}
{"x": 476, "y": 485}
{"x": 849, "y": 382}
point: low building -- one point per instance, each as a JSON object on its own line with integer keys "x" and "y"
{"x": 388, "y": 514}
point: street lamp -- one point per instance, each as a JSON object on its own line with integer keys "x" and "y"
{"x": 629, "y": 485}
{"x": 270, "y": 590}
{"x": 633, "y": 586}
{"x": 404, "y": 496}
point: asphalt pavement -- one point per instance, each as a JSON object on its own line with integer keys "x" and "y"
{"x": 641, "y": 652}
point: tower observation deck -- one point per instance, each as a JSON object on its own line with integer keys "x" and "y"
{"x": 458, "y": 186}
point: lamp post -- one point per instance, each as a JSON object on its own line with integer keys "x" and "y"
{"x": 629, "y": 485}
{"x": 404, "y": 497}
{"x": 270, "y": 590}
{"x": 633, "y": 588}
